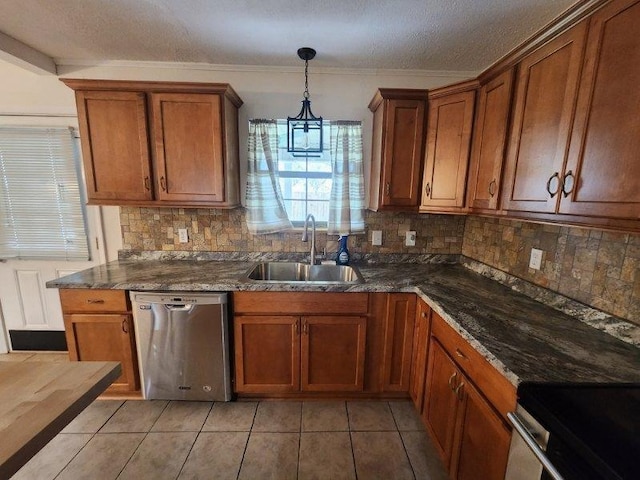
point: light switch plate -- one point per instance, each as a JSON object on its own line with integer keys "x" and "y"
{"x": 376, "y": 237}
{"x": 410, "y": 238}
{"x": 183, "y": 236}
{"x": 535, "y": 261}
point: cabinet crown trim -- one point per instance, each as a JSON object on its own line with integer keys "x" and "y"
{"x": 153, "y": 87}
{"x": 397, "y": 94}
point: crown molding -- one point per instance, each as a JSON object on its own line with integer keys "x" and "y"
{"x": 67, "y": 66}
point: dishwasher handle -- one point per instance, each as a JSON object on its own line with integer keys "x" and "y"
{"x": 528, "y": 438}
{"x": 179, "y": 307}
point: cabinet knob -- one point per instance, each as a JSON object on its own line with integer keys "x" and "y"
{"x": 95, "y": 301}
{"x": 427, "y": 189}
{"x": 163, "y": 184}
{"x": 423, "y": 314}
{"x": 460, "y": 354}
{"x": 555, "y": 176}
{"x": 125, "y": 326}
{"x": 568, "y": 182}
{"x": 492, "y": 188}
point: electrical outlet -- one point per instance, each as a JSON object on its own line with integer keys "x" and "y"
{"x": 183, "y": 236}
{"x": 376, "y": 237}
{"x": 410, "y": 238}
{"x": 535, "y": 261}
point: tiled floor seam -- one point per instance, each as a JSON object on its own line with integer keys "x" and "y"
{"x": 132, "y": 454}
{"x": 299, "y": 440}
{"x": 246, "y": 444}
{"x": 76, "y": 454}
{"x": 189, "y": 452}
{"x": 404, "y": 447}
{"x": 353, "y": 455}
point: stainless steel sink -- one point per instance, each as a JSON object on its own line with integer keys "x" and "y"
{"x": 286, "y": 272}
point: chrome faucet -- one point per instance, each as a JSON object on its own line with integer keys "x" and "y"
{"x": 305, "y": 237}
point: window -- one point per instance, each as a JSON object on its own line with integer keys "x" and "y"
{"x": 305, "y": 180}
{"x": 41, "y": 211}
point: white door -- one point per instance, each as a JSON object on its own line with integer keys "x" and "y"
{"x": 25, "y": 302}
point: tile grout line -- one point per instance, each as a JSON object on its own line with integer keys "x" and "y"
{"x": 246, "y": 445}
{"x": 93, "y": 435}
{"x": 194, "y": 440}
{"x": 353, "y": 453}
{"x": 404, "y": 447}
{"x": 299, "y": 441}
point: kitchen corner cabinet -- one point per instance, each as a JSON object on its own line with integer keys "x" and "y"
{"x": 159, "y": 143}
{"x": 465, "y": 406}
{"x": 299, "y": 342}
{"x": 420, "y": 353}
{"x": 448, "y": 144}
{"x": 399, "y": 117}
{"x": 489, "y": 142}
{"x": 99, "y": 327}
{"x": 545, "y": 97}
{"x": 398, "y": 342}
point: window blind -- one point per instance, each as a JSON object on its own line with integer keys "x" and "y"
{"x": 41, "y": 212}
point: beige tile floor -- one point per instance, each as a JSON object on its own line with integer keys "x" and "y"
{"x": 238, "y": 440}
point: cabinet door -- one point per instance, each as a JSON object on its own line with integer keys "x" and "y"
{"x": 187, "y": 142}
{"x": 402, "y": 152}
{"x": 542, "y": 114}
{"x": 482, "y": 439}
{"x": 489, "y": 140}
{"x": 267, "y": 354}
{"x": 602, "y": 176}
{"x": 448, "y": 143}
{"x": 333, "y": 352}
{"x": 113, "y": 134}
{"x": 419, "y": 356}
{"x": 441, "y": 402}
{"x": 103, "y": 337}
{"x": 398, "y": 342}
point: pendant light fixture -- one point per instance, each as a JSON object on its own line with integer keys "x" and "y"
{"x": 304, "y": 131}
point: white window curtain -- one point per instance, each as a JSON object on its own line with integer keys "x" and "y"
{"x": 346, "y": 203}
{"x": 265, "y": 207}
{"x": 41, "y": 211}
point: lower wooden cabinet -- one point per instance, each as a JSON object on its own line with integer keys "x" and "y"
{"x": 99, "y": 327}
{"x": 398, "y": 341}
{"x": 420, "y": 352}
{"x": 299, "y": 353}
{"x": 468, "y": 431}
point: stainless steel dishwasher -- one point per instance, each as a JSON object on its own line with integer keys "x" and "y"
{"x": 183, "y": 345}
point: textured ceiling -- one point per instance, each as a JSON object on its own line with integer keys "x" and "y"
{"x": 374, "y": 34}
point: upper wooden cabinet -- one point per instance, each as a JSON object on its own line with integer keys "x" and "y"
{"x": 159, "y": 144}
{"x": 489, "y": 142}
{"x": 398, "y": 148}
{"x": 602, "y": 176}
{"x": 448, "y": 144}
{"x": 542, "y": 114}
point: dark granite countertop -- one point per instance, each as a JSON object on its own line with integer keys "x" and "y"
{"x": 524, "y": 339}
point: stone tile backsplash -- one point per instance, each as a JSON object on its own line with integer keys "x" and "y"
{"x": 599, "y": 268}
{"x": 226, "y": 231}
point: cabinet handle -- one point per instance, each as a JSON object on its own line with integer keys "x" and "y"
{"x": 305, "y": 327}
{"x": 95, "y": 301}
{"x": 568, "y": 175}
{"x": 451, "y": 379}
{"x": 460, "y": 354}
{"x": 387, "y": 189}
{"x": 492, "y": 187}
{"x": 163, "y": 184}
{"x": 424, "y": 314}
{"x": 427, "y": 189}
{"x": 556, "y": 175}
{"x": 125, "y": 326}
{"x": 459, "y": 391}
{"x": 147, "y": 186}
{"x": 296, "y": 328}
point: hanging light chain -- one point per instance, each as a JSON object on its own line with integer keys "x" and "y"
{"x": 306, "y": 79}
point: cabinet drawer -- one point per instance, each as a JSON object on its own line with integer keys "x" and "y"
{"x": 300, "y": 302}
{"x": 498, "y": 390}
{"x": 89, "y": 300}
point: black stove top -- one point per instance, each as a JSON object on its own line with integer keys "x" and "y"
{"x": 594, "y": 424}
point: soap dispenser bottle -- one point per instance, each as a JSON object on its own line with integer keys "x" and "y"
{"x": 342, "y": 257}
